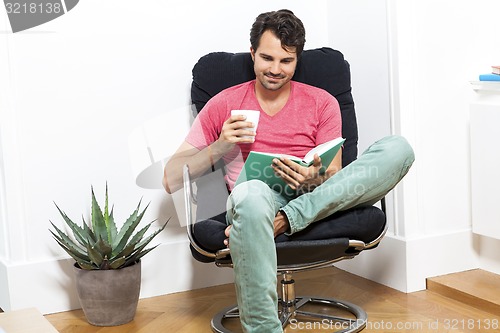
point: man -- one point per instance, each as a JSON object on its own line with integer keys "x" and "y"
{"x": 294, "y": 118}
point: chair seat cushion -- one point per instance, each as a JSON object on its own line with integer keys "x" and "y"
{"x": 364, "y": 224}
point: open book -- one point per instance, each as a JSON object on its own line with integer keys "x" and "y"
{"x": 258, "y": 165}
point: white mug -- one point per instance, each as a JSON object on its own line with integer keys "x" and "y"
{"x": 252, "y": 116}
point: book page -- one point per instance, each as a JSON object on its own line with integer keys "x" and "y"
{"x": 321, "y": 149}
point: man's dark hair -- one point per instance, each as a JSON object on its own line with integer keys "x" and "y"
{"x": 284, "y": 25}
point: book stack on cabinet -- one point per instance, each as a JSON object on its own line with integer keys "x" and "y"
{"x": 493, "y": 76}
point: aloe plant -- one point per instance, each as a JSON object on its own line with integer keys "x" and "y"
{"x": 100, "y": 245}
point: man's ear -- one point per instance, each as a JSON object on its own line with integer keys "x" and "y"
{"x": 252, "y": 53}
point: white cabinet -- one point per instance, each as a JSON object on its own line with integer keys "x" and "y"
{"x": 485, "y": 162}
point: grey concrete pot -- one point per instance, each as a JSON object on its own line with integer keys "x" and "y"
{"x": 109, "y": 297}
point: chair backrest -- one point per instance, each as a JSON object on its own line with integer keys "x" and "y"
{"x": 324, "y": 68}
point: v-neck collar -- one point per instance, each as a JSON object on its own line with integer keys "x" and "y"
{"x": 263, "y": 113}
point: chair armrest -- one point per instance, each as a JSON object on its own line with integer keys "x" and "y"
{"x": 189, "y": 200}
{"x": 360, "y": 246}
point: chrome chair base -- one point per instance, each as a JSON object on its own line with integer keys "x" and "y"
{"x": 302, "y": 313}
{"x": 353, "y": 318}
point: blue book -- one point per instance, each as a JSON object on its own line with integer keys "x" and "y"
{"x": 489, "y": 77}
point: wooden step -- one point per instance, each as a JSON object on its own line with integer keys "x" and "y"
{"x": 477, "y": 288}
{"x": 25, "y": 321}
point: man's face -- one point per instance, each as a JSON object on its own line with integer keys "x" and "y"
{"x": 273, "y": 66}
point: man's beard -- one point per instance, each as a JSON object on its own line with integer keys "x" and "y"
{"x": 273, "y": 86}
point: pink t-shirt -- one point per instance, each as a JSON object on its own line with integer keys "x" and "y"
{"x": 310, "y": 117}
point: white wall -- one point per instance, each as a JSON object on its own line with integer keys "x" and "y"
{"x": 359, "y": 29}
{"x": 71, "y": 93}
{"x": 436, "y": 48}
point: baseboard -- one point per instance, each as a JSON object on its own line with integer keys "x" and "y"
{"x": 385, "y": 264}
{"x": 489, "y": 251}
{"x": 405, "y": 264}
{"x": 49, "y": 285}
{"x": 4, "y": 287}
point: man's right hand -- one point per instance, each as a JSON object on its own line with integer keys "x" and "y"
{"x": 234, "y": 131}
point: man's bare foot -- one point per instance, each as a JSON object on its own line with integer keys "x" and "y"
{"x": 281, "y": 223}
{"x": 226, "y": 232}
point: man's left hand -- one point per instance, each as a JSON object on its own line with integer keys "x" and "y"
{"x": 298, "y": 177}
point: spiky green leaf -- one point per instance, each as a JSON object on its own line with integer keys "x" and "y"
{"x": 127, "y": 223}
{"x": 103, "y": 248}
{"x": 91, "y": 238}
{"x": 140, "y": 252}
{"x": 127, "y": 251}
{"x": 74, "y": 253}
{"x": 94, "y": 255}
{"x": 98, "y": 223}
{"x": 68, "y": 242}
{"x": 140, "y": 234}
{"x": 86, "y": 265}
{"x": 138, "y": 255}
{"x": 128, "y": 229}
{"x": 79, "y": 233}
{"x": 109, "y": 220}
{"x": 133, "y": 256}
{"x": 111, "y": 225}
{"x": 134, "y": 241}
{"x": 117, "y": 263}
{"x": 148, "y": 239}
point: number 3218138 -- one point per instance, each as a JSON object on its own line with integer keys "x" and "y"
{"x": 33, "y": 8}
{"x": 472, "y": 324}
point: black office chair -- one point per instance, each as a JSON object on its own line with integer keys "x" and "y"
{"x": 340, "y": 236}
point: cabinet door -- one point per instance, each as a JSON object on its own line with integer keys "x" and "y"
{"x": 485, "y": 169}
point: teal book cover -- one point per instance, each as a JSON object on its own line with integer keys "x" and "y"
{"x": 258, "y": 165}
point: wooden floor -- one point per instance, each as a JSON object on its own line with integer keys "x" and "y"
{"x": 388, "y": 310}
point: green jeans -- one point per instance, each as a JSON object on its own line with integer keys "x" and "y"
{"x": 252, "y": 206}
